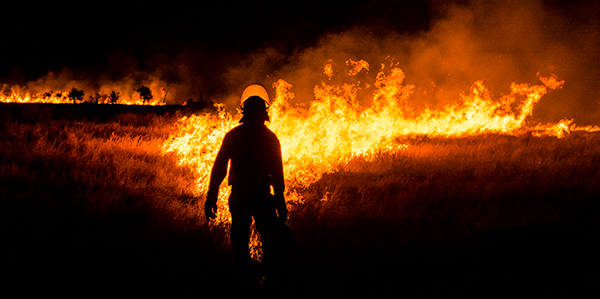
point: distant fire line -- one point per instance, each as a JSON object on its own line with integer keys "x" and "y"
{"x": 75, "y": 96}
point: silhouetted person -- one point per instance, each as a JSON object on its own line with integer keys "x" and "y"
{"x": 254, "y": 153}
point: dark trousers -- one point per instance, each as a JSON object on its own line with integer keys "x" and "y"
{"x": 255, "y": 203}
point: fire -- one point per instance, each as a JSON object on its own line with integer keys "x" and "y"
{"x": 28, "y": 98}
{"x": 335, "y": 127}
{"x": 8, "y": 95}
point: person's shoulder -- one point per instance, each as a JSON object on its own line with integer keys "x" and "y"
{"x": 232, "y": 134}
{"x": 263, "y": 129}
{"x": 246, "y": 130}
{"x": 236, "y": 130}
{"x": 271, "y": 135}
{"x": 269, "y": 131}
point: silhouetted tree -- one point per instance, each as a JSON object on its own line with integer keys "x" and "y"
{"x": 98, "y": 98}
{"x": 75, "y": 95}
{"x": 113, "y": 97}
{"x": 145, "y": 94}
{"x": 199, "y": 103}
{"x": 94, "y": 99}
{"x": 165, "y": 91}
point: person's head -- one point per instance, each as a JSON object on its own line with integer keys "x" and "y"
{"x": 255, "y": 101}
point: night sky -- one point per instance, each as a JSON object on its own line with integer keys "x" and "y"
{"x": 199, "y": 45}
{"x": 91, "y": 36}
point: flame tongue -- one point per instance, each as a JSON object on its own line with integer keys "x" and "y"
{"x": 335, "y": 127}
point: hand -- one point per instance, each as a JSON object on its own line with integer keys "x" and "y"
{"x": 210, "y": 209}
{"x": 282, "y": 214}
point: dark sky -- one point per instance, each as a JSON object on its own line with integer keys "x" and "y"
{"x": 84, "y": 36}
{"x": 202, "y": 49}
{"x": 38, "y": 38}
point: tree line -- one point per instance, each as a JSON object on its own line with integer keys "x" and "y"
{"x": 77, "y": 96}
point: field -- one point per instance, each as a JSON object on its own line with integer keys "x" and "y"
{"x": 89, "y": 198}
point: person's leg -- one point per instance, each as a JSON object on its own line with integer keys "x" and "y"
{"x": 266, "y": 225}
{"x": 239, "y": 234}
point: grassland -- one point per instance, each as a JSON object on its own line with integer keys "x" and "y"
{"x": 90, "y": 192}
{"x": 91, "y": 195}
{"x": 462, "y": 212}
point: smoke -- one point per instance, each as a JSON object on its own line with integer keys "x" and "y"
{"x": 499, "y": 42}
{"x": 171, "y": 78}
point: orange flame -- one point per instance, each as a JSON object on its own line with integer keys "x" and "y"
{"x": 8, "y": 95}
{"x": 335, "y": 127}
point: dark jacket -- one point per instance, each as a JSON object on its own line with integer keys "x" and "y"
{"x": 255, "y": 155}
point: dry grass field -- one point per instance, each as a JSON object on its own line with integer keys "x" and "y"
{"x": 92, "y": 196}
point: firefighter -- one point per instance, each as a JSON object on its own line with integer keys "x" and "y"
{"x": 254, "y": 154}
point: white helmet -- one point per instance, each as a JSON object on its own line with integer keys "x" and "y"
{"x": 255, "y": 90}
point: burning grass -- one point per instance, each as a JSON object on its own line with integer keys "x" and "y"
{"x": 87, "y": 195}
{"x": 489, "y": 208}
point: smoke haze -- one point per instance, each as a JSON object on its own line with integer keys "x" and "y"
{"x": 499, "y": 42}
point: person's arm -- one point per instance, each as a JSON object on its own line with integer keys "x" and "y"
{"x": 279, "y": 184}
{"x": 218, "y": 173}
